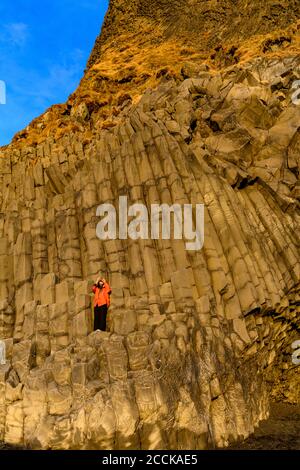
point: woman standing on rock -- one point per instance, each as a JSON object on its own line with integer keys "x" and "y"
{"x": 102, "y": 293}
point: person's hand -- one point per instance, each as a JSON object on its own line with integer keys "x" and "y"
{"x": 103, "y": 280}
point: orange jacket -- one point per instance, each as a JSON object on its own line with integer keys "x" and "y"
{"x": 102, "y": 296}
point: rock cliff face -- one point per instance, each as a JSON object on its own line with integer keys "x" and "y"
{"x": 198, "y": 341}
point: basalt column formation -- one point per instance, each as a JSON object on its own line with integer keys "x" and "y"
{"x": 181, "y": 102}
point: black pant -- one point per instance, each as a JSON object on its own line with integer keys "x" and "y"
{"x": 100, "y": 314}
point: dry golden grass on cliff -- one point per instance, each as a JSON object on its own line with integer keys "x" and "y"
{"x": 138, "y": 61}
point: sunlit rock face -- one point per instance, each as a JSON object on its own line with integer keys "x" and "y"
{"x": 197, "y": 341}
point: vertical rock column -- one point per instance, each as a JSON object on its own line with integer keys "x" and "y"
{"x": 22, "y": 278}
{"x": 6, "y": 310}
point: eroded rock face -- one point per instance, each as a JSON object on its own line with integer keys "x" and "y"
{"x": 196, "y": 340}
{"x": 198, "y": 25}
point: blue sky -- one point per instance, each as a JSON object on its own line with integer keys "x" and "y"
{"x": 44, "y": 47}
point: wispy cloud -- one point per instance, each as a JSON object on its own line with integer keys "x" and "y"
{"x": 15, "y": 33}
{"x": 42, "y": 61}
